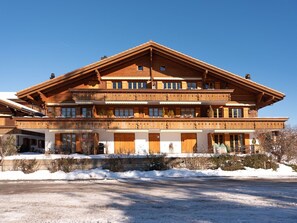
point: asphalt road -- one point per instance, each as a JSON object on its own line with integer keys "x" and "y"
{"x": 179, "y": 200}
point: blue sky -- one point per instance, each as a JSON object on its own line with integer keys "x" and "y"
{"x": 241, "y": 36}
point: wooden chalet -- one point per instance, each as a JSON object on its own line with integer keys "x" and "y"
{"x": 149, "y": 100}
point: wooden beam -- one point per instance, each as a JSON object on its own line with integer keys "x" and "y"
{"x": 151, "y": 63}
{"x": 204, "y": 75}
{"x": 259, "y": 99}
{"x": 267, "y": 102}
{"x": 42, "y": 96}
{"x": 98, "y": 75}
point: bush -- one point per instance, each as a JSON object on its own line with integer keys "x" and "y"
{"x": 258, "y": 161}
{"x": 294, "y": 167}
{"x": 27, "y": 166}
{"x": 115, "y": 164}
{"x": 227, "y": 162}
{"x": 68, "y": 164}
{"x": 156, "y": 163}
{"x": 191, "y": 163}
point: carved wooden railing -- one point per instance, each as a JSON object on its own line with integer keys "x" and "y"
{"x": 151, "y": 95}
{"x": 151, "y": 123}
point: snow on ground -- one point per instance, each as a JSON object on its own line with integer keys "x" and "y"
{"x": 99, "y": 174}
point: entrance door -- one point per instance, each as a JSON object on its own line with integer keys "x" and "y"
{"x": 124, "y": 143}
{"x": 189, "y": 142}
{"x": 154, "y": 143}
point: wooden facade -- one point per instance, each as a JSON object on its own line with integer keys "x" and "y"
{"x": 149, "y": 99}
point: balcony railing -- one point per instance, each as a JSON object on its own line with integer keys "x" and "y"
{"x": 151, "y": 95}
{"x": 151, "y": 123}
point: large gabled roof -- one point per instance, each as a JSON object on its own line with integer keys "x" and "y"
{"x": 156, "y": 47}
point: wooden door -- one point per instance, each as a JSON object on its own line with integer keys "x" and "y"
{"x": 154, "y": 143}
{"x": 124, "y": 143}
{"x": 189, "y": 142}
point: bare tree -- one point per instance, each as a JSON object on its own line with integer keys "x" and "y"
{"x": 7, "y": 147}
{"x": 282, "y": 144}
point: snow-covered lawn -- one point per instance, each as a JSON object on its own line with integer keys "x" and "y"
{"x": 98, "y": 174}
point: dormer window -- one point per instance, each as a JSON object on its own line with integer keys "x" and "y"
{"x": 162, "y": 68}
{"x": 140, "y": 68}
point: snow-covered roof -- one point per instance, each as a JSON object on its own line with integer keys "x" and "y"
{"x": 6, "y": 98}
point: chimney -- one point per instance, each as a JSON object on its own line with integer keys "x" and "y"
{"x": 248, "y": 76}
{"x": 52, "y": 76}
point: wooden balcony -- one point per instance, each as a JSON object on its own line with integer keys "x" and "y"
{"x": 151, "y": 95}
{"x": 151, "y": 123}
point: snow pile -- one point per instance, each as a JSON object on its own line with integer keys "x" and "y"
{"x": 99, "y": 174}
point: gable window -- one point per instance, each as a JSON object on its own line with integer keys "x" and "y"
{"x": 235, "y": 113}
{"x": 137, "y": 85}
{"x": 86, "y": 112}
{"x": 123, "y": 112}
{"x": 187, "y": 112}
{"x": 162, "y": 68}
{"x": 172, "y": 85}
{"x": 117, "y": 85}
{"x": 140, "y": 68}
{"x": 155, "y": 112}
{"x": 68, "y": 112}
{"x": 192, "y": 85}
{"x": 208, "y": 85}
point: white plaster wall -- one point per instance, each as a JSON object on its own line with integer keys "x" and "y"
{"x": 49, "y": 142}
{"x": 141, "y": 143}
{"x": 202, "y": 142}
{"x": 167, "y": 138}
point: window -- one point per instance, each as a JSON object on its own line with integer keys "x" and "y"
{"x": 172, "y": 85}
{"x": 123, "y": 112}
{"x": 236, "y": 142}
{"x": 209, "y": 85}
{"x": 162, "y": 68}
{"x": 137, "y": 85}
{"x": 68, "y": 112}
{"x": 140, "y": 68}
{"x": 117, "y": 85}
{"x": 187, "y": 112}
{"x": 86, "y": 112}
{"x": 155, "y": 112}
{"x": 235, "y": 113}
{"x": 192, "y": 85}
{"x": 68, "y": 142}
{"x": 217, "y": 113}
{"x": 219, "y": 138}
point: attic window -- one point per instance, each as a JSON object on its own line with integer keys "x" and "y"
{"x": 162, "y": 68}
{"x": 140, "y": 68}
